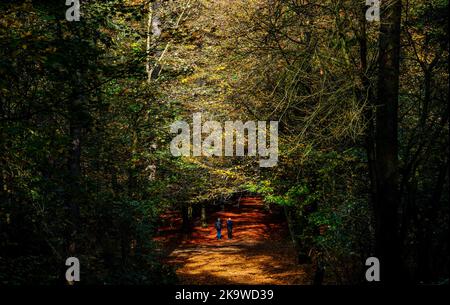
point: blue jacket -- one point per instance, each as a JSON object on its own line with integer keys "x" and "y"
{"x": 229, "y": 224}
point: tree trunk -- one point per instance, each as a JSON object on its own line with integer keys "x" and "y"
{"x": 153, "y": 31}
{"x": 73, "y": 183}
{"x": 387, "y": 246}
{"x": 203, "y": 217}
{"x": 186, "y": 225}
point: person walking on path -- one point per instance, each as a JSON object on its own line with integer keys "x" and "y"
{"x": 230, "y": 228}
{"x": 218, "y": 226}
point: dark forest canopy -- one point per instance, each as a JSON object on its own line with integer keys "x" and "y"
{"x": 86, "y": 108}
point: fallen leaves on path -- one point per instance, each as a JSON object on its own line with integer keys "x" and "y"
{"x": 259, "y": 253}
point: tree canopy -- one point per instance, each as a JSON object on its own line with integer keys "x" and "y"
{"x": 86, "y": 108}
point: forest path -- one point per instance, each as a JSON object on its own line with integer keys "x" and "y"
{"x": 259, "y": 253}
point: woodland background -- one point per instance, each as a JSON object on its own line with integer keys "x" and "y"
{"x": 85, "y": 110}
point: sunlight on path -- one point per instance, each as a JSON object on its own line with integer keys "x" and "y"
{"x": 260, "y": 252}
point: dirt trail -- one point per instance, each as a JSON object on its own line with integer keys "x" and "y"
{"x": 259, "y": 253}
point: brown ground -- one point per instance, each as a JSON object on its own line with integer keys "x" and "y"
{"x": 259, "y": 253}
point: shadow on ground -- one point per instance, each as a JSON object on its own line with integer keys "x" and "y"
{"x": 259, "y": 253}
